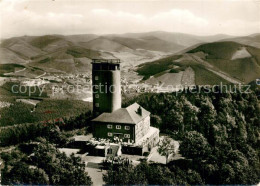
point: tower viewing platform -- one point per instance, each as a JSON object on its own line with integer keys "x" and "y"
{"x": 112, "y": 61}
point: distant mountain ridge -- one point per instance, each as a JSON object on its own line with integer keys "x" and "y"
{"x": 73, "y": 53}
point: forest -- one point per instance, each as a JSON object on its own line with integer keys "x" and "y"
{"x": 218, "y": 135}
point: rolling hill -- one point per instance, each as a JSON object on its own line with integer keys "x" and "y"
{"x": 226, "y": 61}
{"x": 251, "y": 40}
{"x": 182, "y": 39}
{"x": 73, "y": 53}
{"x": 104, "y": 44}
{"x": 148, "y": 43}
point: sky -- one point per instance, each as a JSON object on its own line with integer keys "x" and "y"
{"x": 68, "y": 17}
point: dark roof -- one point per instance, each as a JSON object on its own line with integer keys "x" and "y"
{"x": 128, "y": 115}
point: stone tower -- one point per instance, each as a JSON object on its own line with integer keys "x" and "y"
{"x": 106, "y": 85}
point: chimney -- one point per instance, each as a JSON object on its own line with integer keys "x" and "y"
{"x": 139, "y": 111}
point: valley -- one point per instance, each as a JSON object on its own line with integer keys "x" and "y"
{"x": 49, "y": 67}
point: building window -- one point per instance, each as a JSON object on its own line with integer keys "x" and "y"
{"x": 127, "y": 135}
{"x": 109, "y": 126}
{"x": 96, "y": 77}
{"x": 97, "y": 104}
{"x": 109, "y": 134}
{"x": 96, "y": 95}
{"x": 109, "y": 151}
{"x": 127, "y": 128}
{"x": 118, "y": 127}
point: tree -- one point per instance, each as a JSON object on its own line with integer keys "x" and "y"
{"x": 166, "y": 147}
{"x": 21, "y": 173}
{"x": 156, "y": 121}
{"x": 194, "y": 146}
{"x": 159, "y": 175}
{"x": 62, "y": 170}
{"x": 190, "y": 114}
{"x": 124, "y": 175}
{"x": 142, "y": 174}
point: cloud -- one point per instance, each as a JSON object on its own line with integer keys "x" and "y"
{"x": 181, "y": 16}
{"x": 17, "y": 20}
{"x": 173, "y": 20}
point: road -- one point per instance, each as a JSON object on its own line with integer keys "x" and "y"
{"x": 9, "y": 73}
{"x": 41, "y": 75}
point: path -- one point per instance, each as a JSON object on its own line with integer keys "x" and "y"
{"x": 41, "y": 75}
{"x": 10, "y": 73}
{"x": 92, "y": 165}
{"x": 96, "y": 176}
{"x": 225, "y": 76}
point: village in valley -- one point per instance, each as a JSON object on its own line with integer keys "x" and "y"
{"x": 119, "y": 135}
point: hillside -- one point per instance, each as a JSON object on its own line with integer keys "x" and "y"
{"x": 73, "y": 53}
{"x": 251, "y": 40}
{"x": 238, "y": 60}
{"x": 182, "y": 39}
{"x": 148, "y": 43}
{"x": 18, "y": 48}
{"x": 50, "y": 53}
{"x": 227, "y": 62}
{"x": 104, "y": 44}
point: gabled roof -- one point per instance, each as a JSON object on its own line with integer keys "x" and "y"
{"x": 128, "y": 115}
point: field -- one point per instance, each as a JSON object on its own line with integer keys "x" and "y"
{"x": 152, "y": 68}
{"x": 218, "y": 50}
{"x": 244, "y": 69}
{"x": 45, "y": 110}
{"x": 205, "y": 77}
{"x": 11, "y": 89}
{"x": 226, "y": 62}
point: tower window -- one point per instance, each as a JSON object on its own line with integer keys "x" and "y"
{"x": 109, "y": 126}
{"x": 118, "y": 126}
{"x": 109, "y": 134}
{"x": 127, "y": 135}
{"x": 96, "y": 77}
{"x": 97, "y": 104}
{"x": 127, "y": 128}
